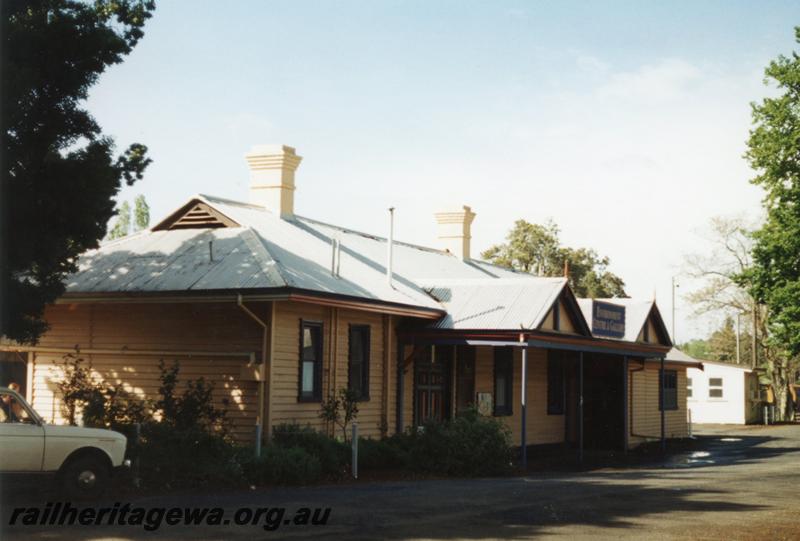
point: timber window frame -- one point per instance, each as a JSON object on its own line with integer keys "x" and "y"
{"x": 668, "y": 390}
{"x": 309, "y": 384}
{"x": 503, "y": 381}
{"x": 358, "y": 368}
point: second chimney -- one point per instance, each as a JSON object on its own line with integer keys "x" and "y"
{"x": 272, "y": 170}
{"x": 454, "y": 230}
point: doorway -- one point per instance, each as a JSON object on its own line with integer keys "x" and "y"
{"x": 431, "y": 388}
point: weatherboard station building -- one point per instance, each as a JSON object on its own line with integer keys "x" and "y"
{"x": 280, "y": 310}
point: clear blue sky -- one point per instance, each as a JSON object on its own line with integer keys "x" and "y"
{"x": 624, "y": 122}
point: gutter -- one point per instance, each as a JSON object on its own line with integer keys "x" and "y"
{"x": 268, "y": 294}
{"x": 261, "y": 382}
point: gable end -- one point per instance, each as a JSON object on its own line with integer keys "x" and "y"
{"x": 195, "y": 215}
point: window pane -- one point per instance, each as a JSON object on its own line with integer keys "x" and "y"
{"x": 500, "y": 390}
{"x": 688, "y": 382}
{"x": 715, "y": 393}
{"x": 715, "y": 382}
{"x": 356, "y": 344}
{"x": 307, "y": 384}
{"x": 689, "y": 392}
{"x": 310, "y": 340}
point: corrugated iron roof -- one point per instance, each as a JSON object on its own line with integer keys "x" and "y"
{"x": 265, "y": 252}
{"x": 269, "y": 252}
{"x": 499, "y": 303}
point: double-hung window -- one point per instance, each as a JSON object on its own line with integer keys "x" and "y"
{"x": 715, "y": 388}
{"x": 503, "y": 372}
{"x": 669, "y": 389}
{"x": 358, "y": 361}
{"x": 310, "y": 362}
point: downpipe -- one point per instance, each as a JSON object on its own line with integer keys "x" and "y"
{"x": 261, "y": 382}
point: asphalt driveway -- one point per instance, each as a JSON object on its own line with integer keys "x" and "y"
{"x": 740, "y": 483}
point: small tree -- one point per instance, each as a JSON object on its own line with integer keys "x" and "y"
{"x": 340, "y": 409}
{"x": 123, "y": 224}
{"x": 141, "y": 213}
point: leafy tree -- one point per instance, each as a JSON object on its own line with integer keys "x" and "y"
{"x": 123, "y": 224}
{"x": 774, "y": 153}
{"x": 141, "y": 213}
{"x": 536, "y": 248}
{"x": 61, "y": 171}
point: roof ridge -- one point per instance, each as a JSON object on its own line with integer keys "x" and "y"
{"x": 262, "y": 253}
{"x": 370, "y": 235}
{"x": 209, "y": 198}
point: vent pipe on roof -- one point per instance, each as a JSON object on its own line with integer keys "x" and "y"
{"x": 455, "y": 230}
{"x": 390, "y": 247}
{"x": 272, "y": 170}
{"x": 336, "y": 256}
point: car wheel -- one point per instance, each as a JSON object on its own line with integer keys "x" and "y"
{"x": 85, "y": 478}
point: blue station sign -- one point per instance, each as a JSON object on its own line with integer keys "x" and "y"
{"x": 608, "y": 319}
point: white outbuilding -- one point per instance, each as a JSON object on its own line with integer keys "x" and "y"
{"x": 722, "y": 393}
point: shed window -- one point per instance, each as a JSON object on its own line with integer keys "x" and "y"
{"x": 688, "y": 387}
{"x": 310, "y": 361}
{"x": 358, "y": 361}
{"x": 503, "y": 371}
{"x": 555, "y": 383}
{"x": 669, "y": 389}
{"x": 715, "y": 388}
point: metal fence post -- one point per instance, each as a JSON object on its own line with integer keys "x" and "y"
{"x": 355, "y": 450}
{"x": 137, "y": 434}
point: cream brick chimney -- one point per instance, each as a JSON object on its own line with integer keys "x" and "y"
{"x": 272, "y": 170}
{"x": 454, "y": 230}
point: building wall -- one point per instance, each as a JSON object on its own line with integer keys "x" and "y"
{"x": 207, "y": 327}
{"x": 223, "y": 328}
{"x": 645, "y": 415}
{"x": 736, "y": 405}
{"x": 372, "y": 414}
{"x": 541, "y": 428}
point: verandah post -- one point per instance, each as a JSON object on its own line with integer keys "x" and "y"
{"x": 661, "y": 405}
{"x": 625, "y": 405}
{"x": 523, "y": 393}
{"x": 580, "y": 407}
{"x": 399, "y": 401}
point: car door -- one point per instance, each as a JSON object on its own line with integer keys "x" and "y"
{"x": 21, "y": 438}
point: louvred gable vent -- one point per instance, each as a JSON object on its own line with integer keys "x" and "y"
{"x": 196, "y": 215}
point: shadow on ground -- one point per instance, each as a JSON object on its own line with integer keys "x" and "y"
{"x": 616, "y": 500}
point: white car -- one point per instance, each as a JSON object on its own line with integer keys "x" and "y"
{"x": 82, "y": 458}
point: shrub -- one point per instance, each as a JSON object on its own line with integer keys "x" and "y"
{"x": 194, "y": 408}
{"x": 101, "y": 405}
{"x": 470, "y": 444}
{"x": 383, "y": 454}
{"x": 187, "y": 458}
{"x": 282, "y": 466}
{"x": 332, "y": 455}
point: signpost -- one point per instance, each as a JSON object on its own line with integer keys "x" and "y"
{"x": 608, "y": 319}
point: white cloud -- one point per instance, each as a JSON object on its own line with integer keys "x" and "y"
{"x": 666, "y": 80}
